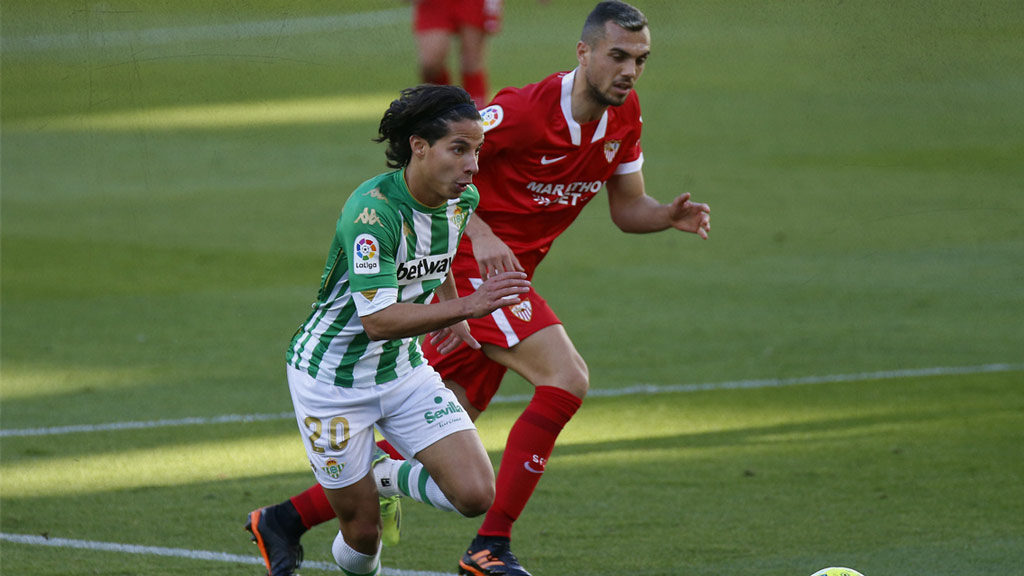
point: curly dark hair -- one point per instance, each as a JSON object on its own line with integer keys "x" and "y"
{"x": 425, "y": 111}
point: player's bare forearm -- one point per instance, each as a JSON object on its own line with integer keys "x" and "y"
{"x": 406, "y": 319}
{"x": 447, "y": 291}
{"x": 632, "y": 210}
{"x": 477, "y": 228}
{"x": 642, "y": 215}
{"x": 635, "y": 212}
{"x": 491, "y": 253}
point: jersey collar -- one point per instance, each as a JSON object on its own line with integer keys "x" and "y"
{"x": 575, "y": 131}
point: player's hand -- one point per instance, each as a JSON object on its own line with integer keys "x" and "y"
{"x": 494, "y": 256}
{"x": 690, "y": 216}
{"x": 501, "y": 289}
{"x": 449, "y": 338}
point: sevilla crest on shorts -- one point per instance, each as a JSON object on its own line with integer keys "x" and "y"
{"x": 523, "y": 310}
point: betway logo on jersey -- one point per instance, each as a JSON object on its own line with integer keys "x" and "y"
{"x": 429, "y": 268}
{"x": 546, "y": 193}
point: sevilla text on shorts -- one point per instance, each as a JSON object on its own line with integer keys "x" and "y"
{"x": 435, "y": 415}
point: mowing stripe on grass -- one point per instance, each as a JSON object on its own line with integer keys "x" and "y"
{"x": 101, "y": 38}
{"x": 35, "y": 540}
{"x": 636, "y": 390}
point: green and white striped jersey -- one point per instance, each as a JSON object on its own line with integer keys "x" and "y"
{"x": 384, "y": 239}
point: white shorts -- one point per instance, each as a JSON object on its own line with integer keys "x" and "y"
{"x": 337, "y": 423}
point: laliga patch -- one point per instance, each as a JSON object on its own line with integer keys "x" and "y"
{"x": 492, "y": 115}
{"x": 366, "y": 255}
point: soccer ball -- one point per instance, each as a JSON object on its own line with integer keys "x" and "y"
{"x": 837, "y": 572}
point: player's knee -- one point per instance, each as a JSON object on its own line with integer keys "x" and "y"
{"x": 475, "y": 492}
{"x": 475, "y": 501}
{"x": 576, "y": 379}
{"x": 362, "y": 537}
{"x": 573, "y": 379}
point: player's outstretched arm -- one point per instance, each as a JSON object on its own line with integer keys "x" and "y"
{"x": 690, "y": 216}
{"x": 634, "y": 211}
{"x": 406, "y": 319}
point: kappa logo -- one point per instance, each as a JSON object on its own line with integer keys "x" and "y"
{"x": 375, "y": 193}
{"x": 368, "y": 216}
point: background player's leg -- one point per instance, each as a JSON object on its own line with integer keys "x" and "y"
{"x": 473, "y": 63}
{"x": 432, "y": 46}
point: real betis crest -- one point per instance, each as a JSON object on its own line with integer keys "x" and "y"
{"x": 332, "y": 468}
{"x": 458, "y": 217}
{"x": 610, "y": 148}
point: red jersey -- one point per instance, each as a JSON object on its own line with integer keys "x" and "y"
{"x": 539, "y": 167}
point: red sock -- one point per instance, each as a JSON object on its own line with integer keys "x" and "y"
{"x": 312, "y": 505}
{"x": 476, "y": 84}
{"x": 387, "y": 447}
{"x": 526, "y": 453}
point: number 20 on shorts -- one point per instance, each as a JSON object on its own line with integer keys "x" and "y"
{"x": 337, "y": 428}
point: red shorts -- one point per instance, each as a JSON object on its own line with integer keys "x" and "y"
{"x": 451, "y": 15}
{"x": 504, "y": 327}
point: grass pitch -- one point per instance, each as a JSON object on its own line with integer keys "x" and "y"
{"x": 170, "y": 177}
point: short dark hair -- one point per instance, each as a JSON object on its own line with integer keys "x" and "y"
{"x": 624, "y": 15}
{"x": 425, "y": 111}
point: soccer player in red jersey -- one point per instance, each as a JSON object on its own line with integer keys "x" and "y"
{"x": 549, "y": 148}
{"x": 436, "y": 22}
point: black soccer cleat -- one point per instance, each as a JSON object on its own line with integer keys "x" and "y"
{"x": 282, "y": 553}
{"x": 490, "y": 556}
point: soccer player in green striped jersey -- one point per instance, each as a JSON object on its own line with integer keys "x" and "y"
{"x": 355, "y": 363}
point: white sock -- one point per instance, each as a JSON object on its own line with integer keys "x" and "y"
{"x": 409, "y": 478}
{"x": 354, "y": 563}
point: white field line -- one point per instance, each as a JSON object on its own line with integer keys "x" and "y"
{"x": 115, "y": 426}
{"x": 179, "y": 553}
{"x": 186, "y": 34}
{"x": 637, "y": 390}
